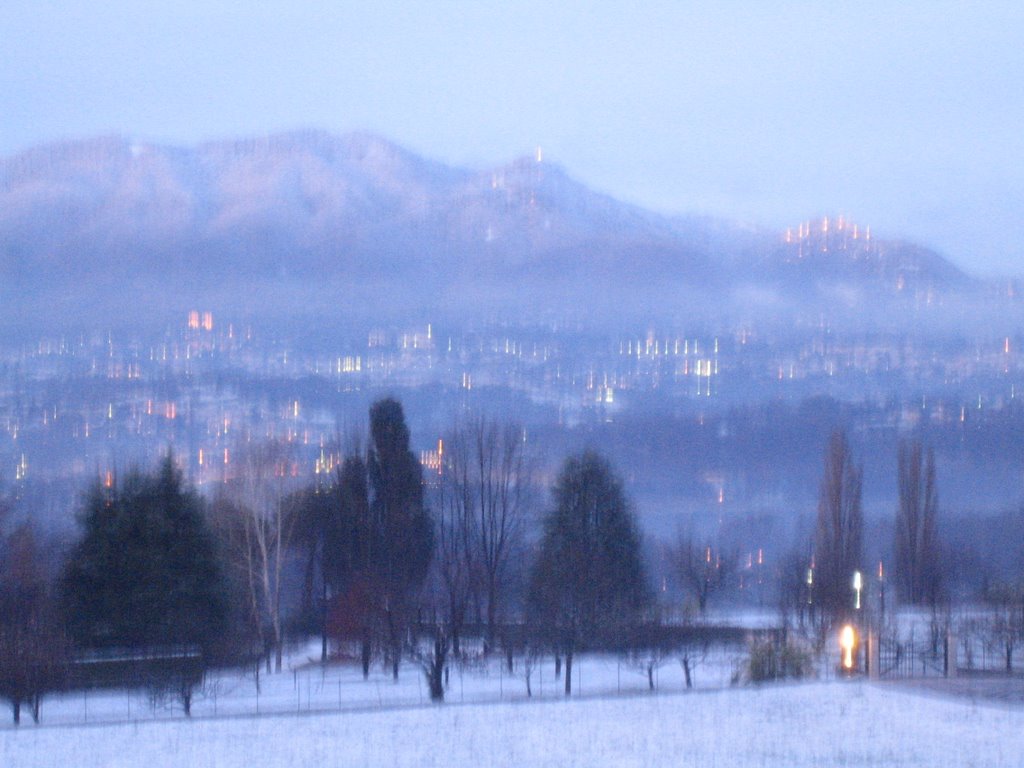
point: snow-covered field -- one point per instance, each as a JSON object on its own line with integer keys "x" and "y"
{"x": 306, "y": 687}
{"x": 816, "y": 724}
{"x": 313, "y": 714}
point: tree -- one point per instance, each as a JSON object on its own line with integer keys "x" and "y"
{"x": 315, "y": 518}
{"x": 587, "y": 584}
{"x": 916, "y": 540}
{"x": 839, "y": 530}
{"x": 456, "y": 567}
{"x": 33, "y": 646}
{"x": 1003, "y": 628}
{"x": 352, "y": 561}
{"x": 402, "y": 535}
{"x": 434, "y": 662}
{"x": 484, "y": 495}
{"x": 794, "y": 593}
{"x": 650, "y": 649}
{"x": 146, "y": 575}
{"x": 332, "y": 530}
{"x": 146, "y": 571}
{"x": 504, "y": 477}
{"x": 703, "y": 570}
{"x": 259, "y": 523}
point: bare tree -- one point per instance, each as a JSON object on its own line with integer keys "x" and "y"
{"x": 259, "y": 525}
{"x": 794, "y": 591}
{"x": 704, "y": 570}
{"x": 456, "y": 568}
{"x": 530, "y": 660}
{"x": 648, "y": 658}
{"x": 692, "y": 653}
{"x": 229, "y": 521}
{"x": 1003, "y": 628}
{"x": 434, "y": 660}
{"x": 840, "y": 524}
{"x": 488, "y": 476}
{"x": 916, "y": 540}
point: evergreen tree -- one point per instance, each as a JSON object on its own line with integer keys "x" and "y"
{"x": 335, "y": 532}
{"x": 401, "y": 534}
{"x": 355, "y": 558}
{"x": 587, "y": 586}
{"x": 315, "y": 511}
{"x": 33, "y": 646}
{"x": 146, "y": 571}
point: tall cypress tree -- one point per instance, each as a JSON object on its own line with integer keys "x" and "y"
{"x": 402, "y": 530}
{"x": 916, "y": 544}
{"x": 839, "y": 530}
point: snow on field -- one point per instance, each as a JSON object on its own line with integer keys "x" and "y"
{"x": 309, "y": 687}
{"x": 817, "y": 724}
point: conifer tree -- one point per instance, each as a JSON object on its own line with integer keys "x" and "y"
{"x": 402, "y": 532}
{"x": 146, "y": 571}
{"x": 33, "y": 646}
{"x": 587, "y": 587}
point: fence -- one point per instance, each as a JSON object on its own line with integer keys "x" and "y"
{"x": 314, "y": 688}
{"x": 910, "y": 658}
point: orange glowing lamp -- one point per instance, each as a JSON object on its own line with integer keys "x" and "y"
{"x": 847, "y": 642}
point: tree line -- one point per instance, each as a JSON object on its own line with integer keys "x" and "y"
{"x": 817, "y": 576}
{"x": 387, "y": 562}
{"x": 397, "y": 565}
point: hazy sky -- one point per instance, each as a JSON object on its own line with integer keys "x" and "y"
{"x": 905, "y": 116}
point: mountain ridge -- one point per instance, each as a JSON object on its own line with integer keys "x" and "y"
{"x": 357, "y": 211}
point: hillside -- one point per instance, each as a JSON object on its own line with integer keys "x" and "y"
{"x": 311, "y": 223}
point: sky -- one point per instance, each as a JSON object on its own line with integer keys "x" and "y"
{"x": 905, "y": 116}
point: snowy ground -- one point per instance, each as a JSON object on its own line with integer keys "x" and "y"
{"x": 306, "y": 687}
{"x": 330, "y": 715}
{"x": 816, "y": 724}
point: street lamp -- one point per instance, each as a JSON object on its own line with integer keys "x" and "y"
{"x": 847, "y": 642}
{"x": 858, "y": 585}
{"x": 881, "y": 587}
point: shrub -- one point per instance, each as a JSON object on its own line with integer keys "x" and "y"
{"x": 769, "y": 660}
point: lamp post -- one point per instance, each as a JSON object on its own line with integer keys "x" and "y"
{"x": 847, "y": 643}
{"x": 881, "y": 589}
{"x": 810, "y": 594}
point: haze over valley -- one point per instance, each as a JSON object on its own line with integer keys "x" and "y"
{"x": 157, "y": 294}
{"x": 421, "y": 368}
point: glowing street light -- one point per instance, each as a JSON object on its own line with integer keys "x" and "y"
{"x": 858, "y": 585}
{"x": 847, "y": 642}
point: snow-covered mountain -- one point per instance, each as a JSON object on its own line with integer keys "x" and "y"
{"x": 311, "y": 221}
